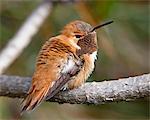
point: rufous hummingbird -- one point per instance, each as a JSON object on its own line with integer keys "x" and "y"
{"x": 65, "y": 61}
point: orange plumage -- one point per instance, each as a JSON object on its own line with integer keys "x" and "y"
{"x": 63, "y": 61}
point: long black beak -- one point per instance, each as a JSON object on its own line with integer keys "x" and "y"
{"x": 99, "y": 26}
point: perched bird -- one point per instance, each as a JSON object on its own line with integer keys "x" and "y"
{"x": 65, "y": 61}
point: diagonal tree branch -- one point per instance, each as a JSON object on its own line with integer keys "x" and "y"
{"x": 124, "y": 89}
{"x": 24, "y": 35}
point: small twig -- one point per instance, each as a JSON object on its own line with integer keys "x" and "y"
{"x": 124, "y": 89}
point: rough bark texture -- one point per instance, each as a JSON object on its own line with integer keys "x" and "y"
{"x": 125, "y": 89}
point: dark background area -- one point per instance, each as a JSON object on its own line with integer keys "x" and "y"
{"x": 123, "y": 52}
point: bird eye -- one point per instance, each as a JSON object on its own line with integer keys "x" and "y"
{"x": 78, "y": 36}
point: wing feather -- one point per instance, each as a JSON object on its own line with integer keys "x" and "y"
{"x": 70, "y": 69}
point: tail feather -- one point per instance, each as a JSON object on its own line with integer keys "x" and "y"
{"x": 34, "y": 99}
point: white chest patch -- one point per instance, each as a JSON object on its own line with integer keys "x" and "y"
{"x": 70, "y": 63}
{"x": 68, "y": 66}
{"x": 93, "y": 56}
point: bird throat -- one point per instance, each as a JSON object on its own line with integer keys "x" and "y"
{"x": 87, "y": 44}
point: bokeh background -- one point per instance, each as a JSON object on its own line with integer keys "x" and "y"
{"x": 123, "y": 52}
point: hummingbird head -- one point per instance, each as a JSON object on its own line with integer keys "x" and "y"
{"x": 83, "y": 34}
{"x": 77, "y": 29}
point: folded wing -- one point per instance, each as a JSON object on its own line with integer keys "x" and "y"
{"x": 48, "y": 79}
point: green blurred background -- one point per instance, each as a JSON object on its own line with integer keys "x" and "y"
{"x": 123, "y": 52}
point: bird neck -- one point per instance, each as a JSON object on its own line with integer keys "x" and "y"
{"x": 88, "y": 44}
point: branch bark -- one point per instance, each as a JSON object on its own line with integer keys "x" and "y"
{"x": 124, "y": 89}
{"x": 23, "y": 37}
